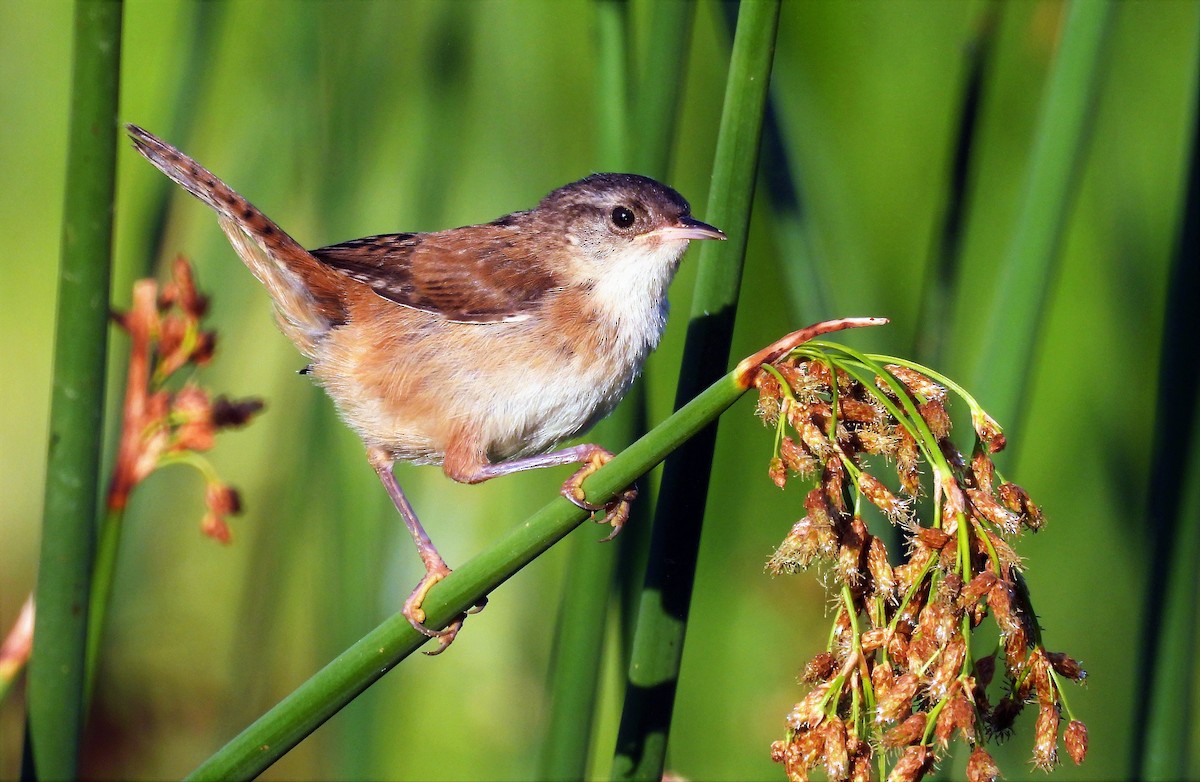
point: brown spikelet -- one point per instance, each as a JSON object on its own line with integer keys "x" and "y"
{"x": 777, "y": 472}
{"x": 983, "y": 470}
{"x": 956, "y": 715}
{"x": 1017, "y": 500}
{"x": 916, "y": 383}
{"x": 907, "y": 732}
{"x": 1066, "y": 666}
{"x": 981, "y": 767}
{"x": 893, "y": 508}
{"x": 820, "y": 668}
{"x": 936, "y": 417}
{"x": 985, "y": 669}
{"x": 933, "y": 539}
{"x": 954, "y": 501}
{"x": 860, "y": 767}
{"x": 988, "y": 430}
{"x": 811, "y": 435}
{"x": 858, "y": 411}
{"x": 795, "y": 458}
{"x": 808, "y": 713}
{"x": 907, "y": 454}
{"x": 837, "y": 759}
{"x": 810, "y": 538}
{"x": 986, "y": 506}
{"x": 1075, "y": 739}
{"x": 948, "y": 668}
{"x": 833, "y": 478}
{"x": 1045, "y": 737}
{"x": 882, "y": 678}
{"x": 882, "y": 575}
{"x": 977, "y": 588}
{"x": 878, "y": 439}
{"x": 898, "y": 700}
{"x": 770, "y": 398}
{"x": 873, "y": 639}
{"x": 913, "y": 764}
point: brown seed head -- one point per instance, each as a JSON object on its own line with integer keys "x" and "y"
{"x": 881, "y": 571}
{"x": 893, "y": 508}
{"x": 936, "y": 417}
{"x": 956, "y": 715}
{"x": 986, "y": 506}
{"x": 820, "y": 668}
{"x": 907, "y": 732}
{"x": 1067, "y": 666}
{"x": 981, "y": 767}
{"x": 1018, "y": 501}
{"x": 1075, "y": 739}
{"x": 978, "y": 587}
{"x": 858, "y": 411}
{"x": 945, "y": 675}
{"x": 897, "y": 703}
{"x": 907, "y": 459}
{"x": 878, "y": 438}
{"x": 770, "y": 398}
{"x": 1004, "y": 715}
{"x": 913, "y": 764}
{"x": 809, "y": 539}
{"x": 192, "y": 411}
{"x": 837, "y": 759}
{"x": 988, "y": 430}
{"x": 833, "y": 478}
{"x": 777, "y": 472}
{"x": 796, "y": 459}
{"x": 1045, "y": 738}
{"x": 985, "y": 669}
{"x": 808, "y": 713}
{"x": 234, "y": 413}
{"x": 983, "y": 470}
{"x": 915, "y": 382}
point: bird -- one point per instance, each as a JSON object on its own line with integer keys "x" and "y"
{"x": 482, "y": 348}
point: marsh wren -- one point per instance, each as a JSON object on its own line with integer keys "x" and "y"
{"x": 479, "y": 348}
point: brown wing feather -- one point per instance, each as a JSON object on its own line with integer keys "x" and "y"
{"x": 472, "y": 275}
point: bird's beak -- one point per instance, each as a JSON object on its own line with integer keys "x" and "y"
{"x": 687, "y": 228}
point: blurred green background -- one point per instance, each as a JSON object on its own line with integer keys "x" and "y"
{"x": 346, "y": 119}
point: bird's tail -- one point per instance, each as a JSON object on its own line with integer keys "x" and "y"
{"x": 306, "y": 293}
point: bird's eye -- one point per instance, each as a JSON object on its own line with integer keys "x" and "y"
{"x": 622, "y": 217}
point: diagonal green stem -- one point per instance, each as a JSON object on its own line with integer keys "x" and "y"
{"x": 57, "y": 668}
{"x": 339, "y": 682}
{"x": 662, "y": 616}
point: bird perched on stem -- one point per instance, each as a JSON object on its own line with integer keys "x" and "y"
{"x": 479, "y": 348}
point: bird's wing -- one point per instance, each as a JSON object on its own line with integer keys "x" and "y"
{"x": 468, "y": 275}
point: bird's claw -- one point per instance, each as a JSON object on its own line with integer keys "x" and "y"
{"x": 416, "y": 616}
{"x": 616, "y": 510}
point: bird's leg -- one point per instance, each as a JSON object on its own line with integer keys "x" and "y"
{"x": 435, "y": 566}
{"x": 591, "y": 456}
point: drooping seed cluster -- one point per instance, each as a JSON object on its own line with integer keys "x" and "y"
{"x": 901, "y": 677}
{"x": 164, "y": 424}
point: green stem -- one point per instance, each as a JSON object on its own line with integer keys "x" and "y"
{"x": 56, "y": 710}
{"x": 339, "y": 682}
{"x": 575, "y": 662}
{"x": 102, "y": 587}
{"x": 1014, "y": 313}
{"x": 662, "y": 615}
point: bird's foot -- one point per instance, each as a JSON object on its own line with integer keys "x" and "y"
{"x": 616, "y": 510}
{"x": 416, "y": 615}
